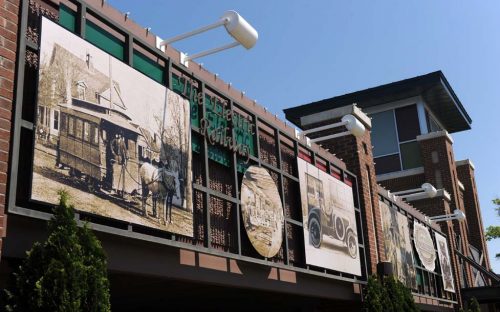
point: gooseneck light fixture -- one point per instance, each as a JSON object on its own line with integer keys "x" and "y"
{"x": 243, "y": 33}
{"x": 353, "y": 125}
{"x": 427, "y": 190}
{"x": 456, "y": 215}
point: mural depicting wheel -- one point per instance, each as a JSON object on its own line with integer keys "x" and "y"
{"x": 315, "y": 235}
{"x": 352, "y": 244}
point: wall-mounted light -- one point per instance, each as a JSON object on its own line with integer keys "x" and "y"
{"x": 427, "y": 190}
{"x": 235, "y": 25}
{"x": 456, "y": 215}
{"x": 353, "y": 125}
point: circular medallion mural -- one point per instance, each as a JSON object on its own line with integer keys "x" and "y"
{"x": 262, "y": 211}
{"x": 424, "y": 246}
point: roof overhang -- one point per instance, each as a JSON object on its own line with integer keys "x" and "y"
{"x": 433, "y": 88}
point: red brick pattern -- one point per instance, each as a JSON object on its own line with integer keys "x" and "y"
{"x": 9, "y": 11}
{"x": 475, "y": 227}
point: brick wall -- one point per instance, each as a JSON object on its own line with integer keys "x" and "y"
{"x": 472, "y": 210}
{"x": 9, "y": 12}
{"x": 437, "y": 155}
{"x": 403, "y": 183}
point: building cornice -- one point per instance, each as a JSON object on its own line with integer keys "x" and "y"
{"x": 436, "y": 134}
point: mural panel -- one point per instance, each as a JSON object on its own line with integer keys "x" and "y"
{"x": 444, "y": 261}
{"x": 262, "y": 211}
{"x": 330, "y": 233}
{"x": 118, "y": 142}
{"x": 424, "y": 246}
{"x": 397, "y": 244}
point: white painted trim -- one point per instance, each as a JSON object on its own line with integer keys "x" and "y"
{"x": 392, "y": 105}
{"x": 400, "y": 174}
{"x": 422, "y": 121}
{"x": 465, "y": 162}
{"x": 433, "y": 135}
{"x": 461, "y": 185}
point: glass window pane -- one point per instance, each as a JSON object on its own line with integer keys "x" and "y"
{"x": 384, "y": 137}
{"x": 432, "y": 125}
{"x": 410, "y": 154}
{"x": 408, "y": 125}
{"x": 387, "y": 164}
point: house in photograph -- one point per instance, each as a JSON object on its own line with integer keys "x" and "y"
{"x": 204, "y": 200}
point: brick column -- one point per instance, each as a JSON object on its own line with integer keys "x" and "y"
{"x": 9, "y": 12}
{"x": 439, "y": 169}
{"x": 465, "y": 171}
{"x": 357, "y": 155}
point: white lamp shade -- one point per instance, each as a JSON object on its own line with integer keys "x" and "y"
{"x": 354, "y": 125}
{"x": 240, "y": 29}
{"x": 459, "y": 214}
{"x": 429, "y": 189}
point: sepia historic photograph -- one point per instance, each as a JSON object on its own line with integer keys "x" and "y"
{"x": 116, "y": 140}
{"x": 330, "y": 234}
{"x": 262, "y": 211}
{"x": 444, "y": 261}
{"x": 397, "y": 244}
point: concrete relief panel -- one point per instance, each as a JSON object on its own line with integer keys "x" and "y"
{"x": 424, "y": 246}
{"x": 262, "y": 211}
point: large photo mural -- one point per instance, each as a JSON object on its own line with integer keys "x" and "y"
{"x": 444, "y": 261}
{"x": 330, "y": 233}
{"x": 397, "y": 244}
{"x": 118, "y": 142}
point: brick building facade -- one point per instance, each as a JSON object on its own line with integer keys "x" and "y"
{"x": 218, "y": 266}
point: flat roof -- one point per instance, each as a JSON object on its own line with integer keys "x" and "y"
{"x": 433, "y": 87}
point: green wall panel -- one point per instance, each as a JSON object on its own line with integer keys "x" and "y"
{"x": 104, "y": 40}
{"x": 67, "y": 18}
{"x": 148, "y": 67}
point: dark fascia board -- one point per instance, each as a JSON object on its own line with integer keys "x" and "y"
{"x": 383, "y": 94}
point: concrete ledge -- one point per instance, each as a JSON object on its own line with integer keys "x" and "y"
{"x": 465, "y": 162}
{"x": 334, "y": 114}
{"x": 433, "y": 135}
{"x": 400, "y": 174}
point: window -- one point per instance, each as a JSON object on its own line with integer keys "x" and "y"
{"x": 95, "y": 134}
{"x": 86, "y": 132}
{"x": 394, "y": 134}
{"x": 432, "y": 124}
{"x": 71, "y": 127}
{"x": 56, "y": 120}
{"x": 79, "y": 128}
{"x": 64, "y": 127}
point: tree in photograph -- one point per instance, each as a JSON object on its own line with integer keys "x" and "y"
{"x": 493, "y": 231}
{"x": 67, "y": 272}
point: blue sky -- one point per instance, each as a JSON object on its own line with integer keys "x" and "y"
{"x": 310, "y": 50}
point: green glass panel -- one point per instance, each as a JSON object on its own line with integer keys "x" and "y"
{"x": 67, "y": 18}
{"x": 148, "y": 67}
{"x": 196, "y": 143}
{"x": 180, "y": 87}
{"x": 410, "y": 155}
{"x": 219, "y": 155}
{"x": 242, "y": 127}
{"x": 104, "y": 40}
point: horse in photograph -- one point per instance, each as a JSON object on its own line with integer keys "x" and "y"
{"x": 162, "y": 186}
